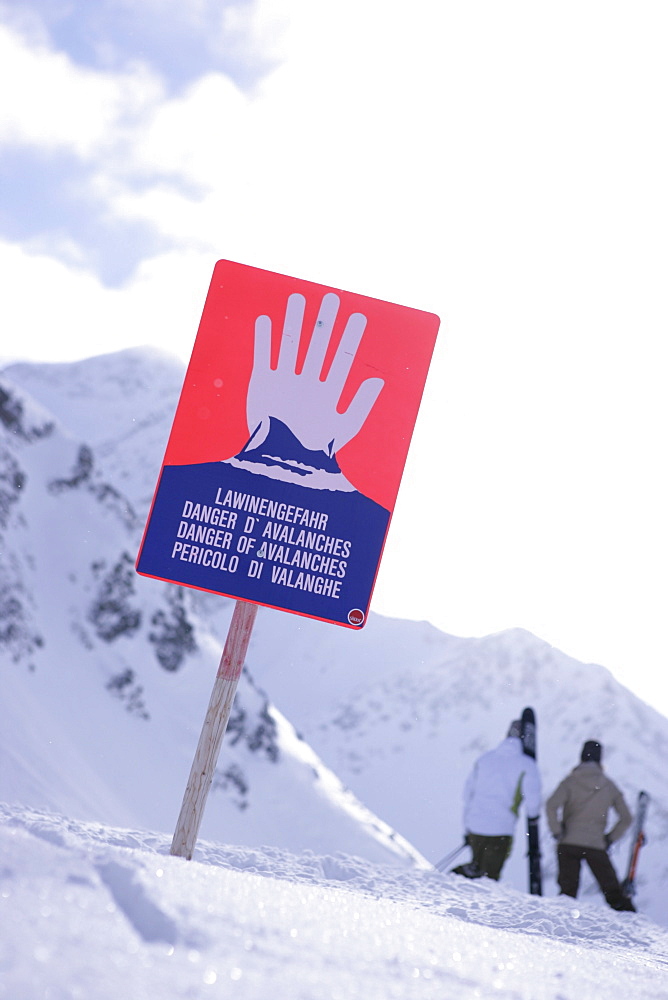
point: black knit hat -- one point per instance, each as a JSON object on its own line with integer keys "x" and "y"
{"x": 591, "y": 751}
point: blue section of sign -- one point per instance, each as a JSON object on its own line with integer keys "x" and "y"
{"x": 225, "y": 529}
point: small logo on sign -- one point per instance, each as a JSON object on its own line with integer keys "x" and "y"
{"x": 356, "y": 617}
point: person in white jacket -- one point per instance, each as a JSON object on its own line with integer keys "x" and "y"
{"x": 500, "y": 780}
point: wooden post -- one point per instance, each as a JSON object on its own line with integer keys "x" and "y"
{"x": 213, "y": 730}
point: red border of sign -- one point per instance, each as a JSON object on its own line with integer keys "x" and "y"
{"x": 210, "y": 420}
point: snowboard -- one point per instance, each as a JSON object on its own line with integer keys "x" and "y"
{"x": 629, "y": 883}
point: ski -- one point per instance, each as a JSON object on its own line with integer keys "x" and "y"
{"x": 528, "y": 737}
{"x": 446, "y": 861}
{"x": 629, "y": 883}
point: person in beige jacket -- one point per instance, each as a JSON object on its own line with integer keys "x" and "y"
{"x": 577, "y": 814}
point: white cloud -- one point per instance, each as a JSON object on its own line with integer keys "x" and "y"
{"x": 197, "y": 134}
{"x": 53, "y": 312}
{"x": 55, "y": 104}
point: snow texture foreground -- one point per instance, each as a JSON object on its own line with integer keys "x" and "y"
{"x": 94, "y": 912}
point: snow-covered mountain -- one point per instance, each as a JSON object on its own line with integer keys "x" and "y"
{"x": 107, "y": 675}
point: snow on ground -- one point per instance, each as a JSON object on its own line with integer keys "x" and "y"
{"x": 98, "y": 913}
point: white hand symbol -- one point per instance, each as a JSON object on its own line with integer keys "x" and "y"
{"x": 303, "y": 402}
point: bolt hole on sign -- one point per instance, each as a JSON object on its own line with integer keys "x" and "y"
{"x": 288, "y": 444}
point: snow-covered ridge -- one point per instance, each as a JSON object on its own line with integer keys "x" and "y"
{"x": 339, "y": 741}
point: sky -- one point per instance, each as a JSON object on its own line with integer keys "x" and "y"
{"x": 96, "y": 911}
{"x": 501, "y": 165}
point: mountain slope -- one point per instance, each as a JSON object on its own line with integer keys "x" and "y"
{"x": 405, "y": 741}
{"x": 106, "y": 676}
{"x": 398, "y": 711}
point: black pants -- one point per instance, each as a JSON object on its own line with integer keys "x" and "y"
{"x": 570, "y": 856}
{"x": 489, "y": 856}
